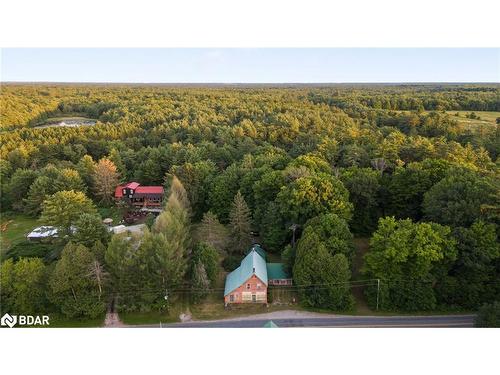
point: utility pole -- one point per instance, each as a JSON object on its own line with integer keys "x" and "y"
{"x": 378, "y": 290}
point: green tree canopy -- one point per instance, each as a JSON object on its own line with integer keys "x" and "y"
{"x": 64, "y": 208}
{"x": 89, "y": 229}
{"x": 310, "y": 196}
{"x": 408, "y": 258}
{"x": 458, "y": 199}
{"x": 321, "y": 278}
{"x": 73, "y": 289}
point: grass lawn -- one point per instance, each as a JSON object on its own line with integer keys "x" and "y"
{"x": 486, "y": 118}
{"x": 61, "y": 322}
{"x": 14, "y": 228}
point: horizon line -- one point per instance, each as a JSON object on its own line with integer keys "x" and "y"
{"x": 251, "y": 83}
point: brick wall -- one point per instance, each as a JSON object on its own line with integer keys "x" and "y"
{"x": 243, "y": 294}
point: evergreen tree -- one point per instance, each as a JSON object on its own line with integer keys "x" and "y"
{"x": 90, "y": 229}
{"x": 208, "y": 256}
{"x": 212, "y": 232}
{"x": 240, "y": 226}
{"x": 199, "y": 282}
{"x": 116, "y": 159}
{"x": 86, "y": 168}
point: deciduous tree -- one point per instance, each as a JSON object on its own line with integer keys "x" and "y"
{"x": 64, "y": 208}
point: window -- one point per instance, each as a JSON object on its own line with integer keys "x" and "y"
{"x": 254, "y": 298}
{"x": 231, "y": 298}
{"x": 258, "y": 285}
{"x": 248, "y": 286}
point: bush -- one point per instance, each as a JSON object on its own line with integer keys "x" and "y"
{"x": 231, "y": 262}
{"x": 488, "y": 315}
{"x": 27, "y": 249}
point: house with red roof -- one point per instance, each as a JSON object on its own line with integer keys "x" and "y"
{"x": 139, "y": 196}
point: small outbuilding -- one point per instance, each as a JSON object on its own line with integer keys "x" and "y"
{"x": 43, "y": 232}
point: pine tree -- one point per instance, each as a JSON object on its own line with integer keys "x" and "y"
{"x": 240, "y": 226}
{"x": 200, "y": 282}
{"x": 86, "y": 168}
{"x": 115, "y": 157}
{"x": 212, "y": 232}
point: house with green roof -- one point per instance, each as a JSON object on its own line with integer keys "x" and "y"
{"x": 248, "y": 283}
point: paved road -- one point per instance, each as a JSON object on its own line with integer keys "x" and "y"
{"x": 450, "y": 321}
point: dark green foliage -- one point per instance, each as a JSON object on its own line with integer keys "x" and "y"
{"x": 231, "y": 262}
{"x": 474, "y": 277}
{"x": 196, "y": 178}
{"x": 333, "y": 232}
{"x": 48, "y": 251}
{"x": 200, "y": 284}
{"x": 239, "y": 225}
{"x": 23, "y": 286}
{"x": 409, "y": 184}
{"x": 322, "y": 279}
{"x": 18, "y": 187}
{"x": 72, "y": 289}
{"x": 90, "y": 229}
{"x": 208, "y": 257}
{"x": 488, "y": 316}
{"x": 364, "y": 187}
{"x": 274, "y": 230}
{"x": 459, "y": 198}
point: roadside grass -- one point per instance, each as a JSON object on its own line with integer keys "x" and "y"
{"x": 14, "y": 228}
{"x": 151, "y": 317}
{"x": 62, "y": 322}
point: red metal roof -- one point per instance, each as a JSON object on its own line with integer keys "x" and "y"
{"x": 149, "y": 190}
{"x": 132, "y": 185}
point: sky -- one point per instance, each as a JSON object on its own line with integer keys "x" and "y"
{"x": 265, "y": 65}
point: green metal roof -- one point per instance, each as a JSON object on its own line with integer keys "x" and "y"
{"x": 258, "y": 249}
{"x": 270, "y": 324}
{"x": 253, "y": 263}
{"x": 276, "y": 271}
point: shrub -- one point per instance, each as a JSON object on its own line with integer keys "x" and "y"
{"x": 488, "y": 315}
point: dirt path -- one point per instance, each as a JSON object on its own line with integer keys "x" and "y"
{"x": 113, "y": 320}
{"x": 362, "y": 246}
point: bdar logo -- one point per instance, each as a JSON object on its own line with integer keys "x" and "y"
{"x": 8, "y": 320}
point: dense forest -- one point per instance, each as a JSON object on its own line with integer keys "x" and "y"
{"x": 414, "y": 168}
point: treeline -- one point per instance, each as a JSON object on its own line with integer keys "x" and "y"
{"x": 413, "y": 98}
